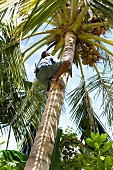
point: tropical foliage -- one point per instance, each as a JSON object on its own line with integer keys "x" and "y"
{"x": 96, "y": 153}
{"x": 11, "y": 159}
{"x": 69, "y": 153}
{"x": 15, "y": 87}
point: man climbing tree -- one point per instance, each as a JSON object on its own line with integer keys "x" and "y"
{"x": 48, "y": 70}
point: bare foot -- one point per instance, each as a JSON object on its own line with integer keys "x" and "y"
{"x": 54, "y": 82}
{"x": 47, "y": 92}
{"x": 59, "y": 86}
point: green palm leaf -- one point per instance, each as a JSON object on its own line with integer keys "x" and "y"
{"x": 105, "y": 6}
{"x": 14, "y": 156}
{"x": 41, "y": 12}
{"x": 6, "y": 4}
{"x": 28, "y": 116}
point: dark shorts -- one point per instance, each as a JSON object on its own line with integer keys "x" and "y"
{"x": 47, "y": 72}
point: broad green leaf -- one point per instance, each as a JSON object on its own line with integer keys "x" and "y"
{"x": 92, "y": 158}
{"x": 108, "y": 162}
{"x": 92, "y": 135}
{"x": 103, "y": 137}
{"x": 90, "y": 142}
{"x": 88, "y": 168}
{"x": 100, "y": 163}
{"x": 84, "y": 162}
{"x": 96, "y": 145}
{"x": 98, "y": 140}
{"x": 107, "y": 146}
{"x": 14, "y": 156}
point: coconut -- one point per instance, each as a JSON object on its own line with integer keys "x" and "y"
{"x": 91, "y": 63}
{"x": 86, "y": 48}
{"x": 94, "y": 57}
{"x": 89, "y": 57}
{"x": 98, "y": 29}
{"x": 103, "y": 30}
{"x": 84, "y": 54}
{"x": 91, "y": 46}
{"x": 90, "y": 51}
{"x": 84, "y": 61}
{"x": 95, "y": 52}
{"x": 83, "y": 57}
{"x": 94, "y": 48}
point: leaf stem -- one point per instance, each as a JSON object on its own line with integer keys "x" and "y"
{"x": 93, "y": 25}
{"x": 79, "y": 19}
{"x": 80, "y": 64}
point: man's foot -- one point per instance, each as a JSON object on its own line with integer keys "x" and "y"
{"x": 47, "y": 92}
{"x": 53, "y": 82}
{"x": 59, "y": 86}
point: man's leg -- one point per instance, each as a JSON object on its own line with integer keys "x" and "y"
{"x": 55, "y": 70}
{"x": 64, "y": 67}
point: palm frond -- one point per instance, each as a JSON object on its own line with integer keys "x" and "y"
{"x": 107, "y": 102}
{"x": 28, "y": 115}
{"x": 108, "y": 63}
{"x": 82, "y": 112}
{"x": 40, "y": 14}
{"x": 6, "y": 4}
{"x": 81, "y": 103}
{"x": 11, "y": 59}
{"x": 25, "y": 115}
{"x": 104, "y": 6}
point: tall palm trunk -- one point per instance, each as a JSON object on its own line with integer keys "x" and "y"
{"x": 40, "y": 155}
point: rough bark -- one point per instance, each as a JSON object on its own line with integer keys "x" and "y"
{"x": 40, "y": 155}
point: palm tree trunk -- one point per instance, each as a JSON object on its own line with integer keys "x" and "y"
{"x": 41, "y": 152}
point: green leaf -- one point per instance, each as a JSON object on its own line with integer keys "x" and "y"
{"x": 84, "y": 162}
{"x": 92, "y": 158}
{"x": 107, "y": 146}
{"x": 100, "y": 163}
{"x": 98, "y": 140}
{"x": 90, "y": 142}
{"x": 103, "y": 137}
{"x": 92, "y": 135}
{"x": 40, "y": 14}
{"x": 108, "y": 162}
{"x": 96, "y": 146}
{"x": 14, "y": 156}
{"x": 88, "y": 168}
{"x": 56, "y": 156}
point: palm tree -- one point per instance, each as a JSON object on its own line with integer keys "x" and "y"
{"x": 77, "y": 36}
{"x": 15, "y": 89}
{"x": 12, "y": 71}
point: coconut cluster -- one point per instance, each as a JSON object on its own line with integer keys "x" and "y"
{"x": 100, "y": 30}
{"x": 89, "y": 54}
